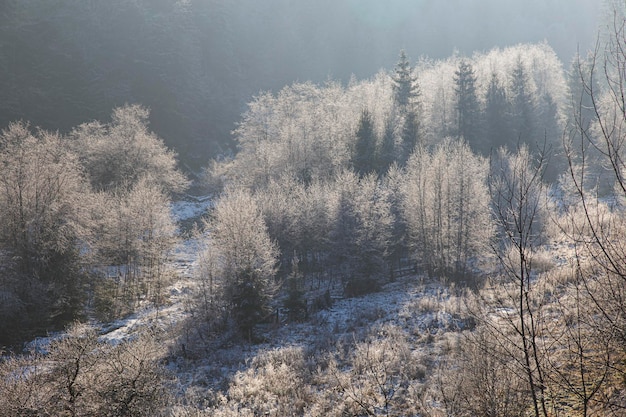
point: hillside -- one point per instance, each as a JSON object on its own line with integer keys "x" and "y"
{"x": 441, "y": 238}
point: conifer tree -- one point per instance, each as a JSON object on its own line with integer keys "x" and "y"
{"x": 365, "y": 147}
{"x": 405, "y": 87}
{"x": 467, "y": 106}
{"x": 496, "y": 127}
{"x": 523, "y": 112}
{"x": 410, "y": 135}
{"x": 406, "y": 98}
{"x": 387, "y": 150}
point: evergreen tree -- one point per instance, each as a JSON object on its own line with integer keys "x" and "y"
{"x": 548, "y": 130}
{"x": 523, "y": 112}
{"x": 467, "y": 106}
{"x": 405, "y": 87}
{"x": 584, "y": 90}
{"x": 581, "y": 86}
{"x": 496, "y": 127}
{"x": 406, "y": 98}
{"x": 392, "y": 183}
{"x": 387, "y": 150}
{"x": 410, "y": 135}
{"x": 365, "y": 147}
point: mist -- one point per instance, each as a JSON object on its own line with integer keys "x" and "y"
{"x": 196, "y": 63}
{"x": 360, "y": 37}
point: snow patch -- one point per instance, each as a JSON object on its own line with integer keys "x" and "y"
{"x": 192, "y": 207}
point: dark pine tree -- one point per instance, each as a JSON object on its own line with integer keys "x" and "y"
{"x": 496, "y": 110}
{"x": 410, "y": 135}
{"x": 406, "y": 98}
{"x": 251, "y": 302}
{"x": 296, "y": 301}
{"x": 522, "y": 109}
{"x": 581, "y": 85}
{"x": 405, "y": 87}
{"x": 364, "y": 158}
{"x": 548, "y": 131}
{"x": 387, "y": 150}
{"x": 467, "y": 106}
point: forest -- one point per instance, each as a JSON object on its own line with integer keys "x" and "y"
{"x": 443, "y": 238}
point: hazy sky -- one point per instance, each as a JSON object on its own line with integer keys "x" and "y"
{"x": 362, "y": 36}
{"x": 437, "y": 27}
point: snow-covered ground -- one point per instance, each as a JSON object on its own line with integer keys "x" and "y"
{"x": 420, "y": 309}
{"x": 174, "y": 311}
{"x": 191, "y": 207}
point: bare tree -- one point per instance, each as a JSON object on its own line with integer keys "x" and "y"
{"x": 82, "y": 376}
{"x": 516, "y": 189}
{"x": 596, "y": 136}
{"x": 477, "y": 378}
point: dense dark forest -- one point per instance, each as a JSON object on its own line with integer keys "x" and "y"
{"x": 439, "y": 237}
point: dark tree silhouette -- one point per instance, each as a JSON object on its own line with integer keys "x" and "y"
{"x": 522, "y": 117}
{"x": 387, "y": 150}
{"x": 496, "y": 111}
{"x": 405, "y": 87}
{"x": 364, "y": 158}
{"x": 467, "y": 106}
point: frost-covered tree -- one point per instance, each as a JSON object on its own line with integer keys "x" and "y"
{"x": 298, "y": 219}
{"x": 124, "y": 151}
{"x": 362, "y": 227}
{"x": 305, "y": 131}
{"x": 245, "y": 258}
{"x": 315, "y": 222}
{"x": 446, "y": 207}
{"x": 130, "y": 236}
{"x": 40, "y": 186}
{"x": 279, "y": 204}
{"x": 83, "y": 375}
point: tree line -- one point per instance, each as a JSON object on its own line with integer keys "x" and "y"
{"x": 353, "y": 183}
{"x": 505, "y": 97}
